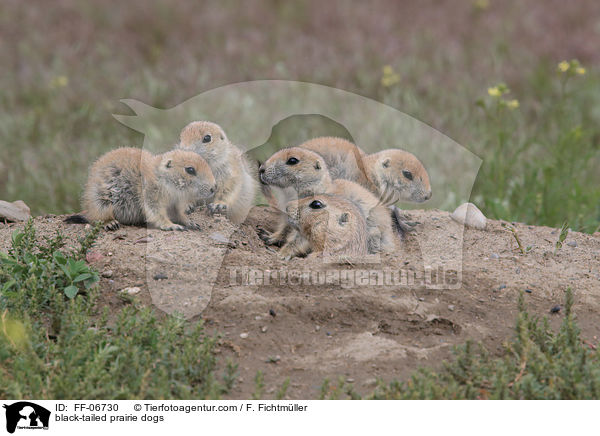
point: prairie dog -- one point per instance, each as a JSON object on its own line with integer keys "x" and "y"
{"x": 236, "y": 185}
{"x": 307, "y": 173}
{"x": 392, "y": 173}
{"x": 329, "y": 224}
{"x": 133, "y": 187}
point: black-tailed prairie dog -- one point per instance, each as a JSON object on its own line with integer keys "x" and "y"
{"x": 134, "y": 187}
{"x": 327, "y": 224}
{"x": 392, "y": 173}
{"x": 236, "y": 184}
{"x": 306, "y": 173}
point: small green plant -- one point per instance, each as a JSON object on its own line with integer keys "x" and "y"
{"x": 280, "y": 394}
{"x": 32, "y": 272}
{"x": 259, "y": 385}
{"x": 515, "y": 234}
{"x": 564, "y": 231}
{"x": 56, "y": 343}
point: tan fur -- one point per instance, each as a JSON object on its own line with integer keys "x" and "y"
{"x": 133, "y": 187}
{"x": 236, "y": 183}
{"x": 310, "y": 176}
{"x": 336, "y": 228}
{"x": 381, "y": 173}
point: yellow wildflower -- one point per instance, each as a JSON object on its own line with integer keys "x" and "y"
{"x": 481, "y": 4}
{"x": 512, "y": 104}
{"x": 494, "y": 91}
{"x": 59, "y": 82}
{"x": 580, "y": 71}
{"x": 564, "y": 66}
{"x": 390, "y": 77}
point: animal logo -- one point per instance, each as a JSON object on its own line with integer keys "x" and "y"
{"x": 26, "y": 415}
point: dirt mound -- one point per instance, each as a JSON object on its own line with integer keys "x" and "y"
{"x": 307, "y": 320}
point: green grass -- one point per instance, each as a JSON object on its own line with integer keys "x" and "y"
{"x": 56, "y": 344}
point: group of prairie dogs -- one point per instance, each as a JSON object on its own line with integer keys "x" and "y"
{"x": 333, "y": 197}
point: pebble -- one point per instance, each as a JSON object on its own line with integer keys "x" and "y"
{"x": 529, "y": 291}
{"x": 274, "y": 359}
{"x": 264, "y": 328}
{"x": 469, "y": 215}
{"x": 572, "y": 243}
{"x": 501, "y": 287}
{"x": 243, "y": 335}
{"x": 107, "y": 274}
{"x": 494, "y": 256}
{"x": 555, "y": 309}
{"x": 132, "y": 290}
{"x": 258, "y": 317}
{"x": 328, "y": 333}
{"x": 370, "y": 382}
{"x": 349, "y": 380}
{"x": 160, "y": 276}
{"x": 272, "y": 313}
{"x": 451, "y": 307}
{"x": 421, "y": 299}
{"x": 219, "y": 237}
{"x": 317, "y": 328}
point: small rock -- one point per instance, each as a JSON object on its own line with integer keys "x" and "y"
{"x": 107, "y": 274}
{"x": 93, "y": 256}
{"x": 258, "y": 317}
{"x": 555, "y": 309}
{"x": 529, "y": 291}
{"x": 132, "y": 290}
{"x": 16, "y": 211}
{"x": 264, "y": 329}
{"x": 421, "y": 299}
{"x": 469, "y": 215}
{"x": 274, "y": 359}
{"x": 243, "y": 335}
{"x": 349, "y": 380}
{"x": 451, "y": 307}
{"x": 518, "y": 271}
{"x": 494, "y": 256}
{"x": 572, "y": 243}
{"x": 328, "y": 333}
{"x": 160, "y": 276}
{"x": 219, "y": 237}
{"x": 370, "y": 382}
{"x": 272, "y": 313}
{"x": 501, "y": 287}
{"x": 317, "y": 328}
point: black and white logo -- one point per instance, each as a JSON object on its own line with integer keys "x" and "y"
{"x": 26, "y": 415}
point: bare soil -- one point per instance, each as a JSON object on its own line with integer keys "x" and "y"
{"x": 309, "y": 332}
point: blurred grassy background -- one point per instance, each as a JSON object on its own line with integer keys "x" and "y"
{"x": 66, "y": 65}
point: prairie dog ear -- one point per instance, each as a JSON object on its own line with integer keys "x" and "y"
{"x": 386, "y": 162}
{"x": 317, "y": 165}
{"x": 344, "y": 218}
{"x": 167, "y": 162}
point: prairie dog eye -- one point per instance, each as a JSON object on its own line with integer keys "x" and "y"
{"x": 190, "y": 170}
{"x": 207, "y": 138}
{"x": 407, "y": 174}
{"x": 316, "y": 204}
{"x": 292, "y": 161}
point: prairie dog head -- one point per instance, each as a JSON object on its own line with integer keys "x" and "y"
{"x": 331, "y": 223}
{"x": 294, "y": 167}
{"x": 205, "y": 138}
{"x": 402, "y": 173}
{"x": 186, "y": 174}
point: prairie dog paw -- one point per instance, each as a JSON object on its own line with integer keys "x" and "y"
{"x": 193, "y": 226}
{"x": 172, "y": 227}
{"x": 112, "y": 226}
{"x": 217, "y": 208}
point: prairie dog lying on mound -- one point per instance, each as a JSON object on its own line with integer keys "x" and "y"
{"x": 236, "y": 184}
{"x": 307, "y": 173}
{"x": 327, "y": 224}
{"x": 133, "y": 187}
